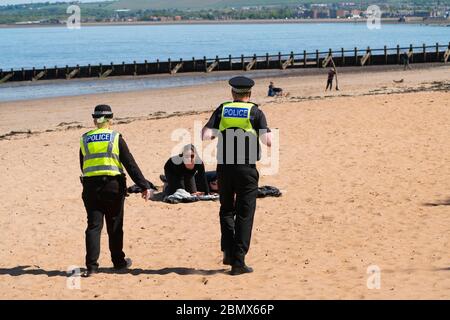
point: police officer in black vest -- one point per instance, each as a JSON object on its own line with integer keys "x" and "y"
{"x": 103, "y": 157}
{"x": 238, "y": 125}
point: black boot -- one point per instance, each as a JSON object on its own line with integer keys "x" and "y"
{"x": 238, "y": 270}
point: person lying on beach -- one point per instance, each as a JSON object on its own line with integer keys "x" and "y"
{"x": 274, "y": 91}
{"x": 183, "y": 170}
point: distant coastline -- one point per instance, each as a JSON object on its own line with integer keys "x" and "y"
{"x": 418, "y": 21}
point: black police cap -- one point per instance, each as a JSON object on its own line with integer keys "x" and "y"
{"x": 241, "y": 84}
{"x": 102, "y": 110}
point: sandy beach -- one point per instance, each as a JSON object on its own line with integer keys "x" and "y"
{"x": 364, "y": 172}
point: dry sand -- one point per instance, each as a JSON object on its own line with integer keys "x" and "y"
{"x": 365, "y": 173}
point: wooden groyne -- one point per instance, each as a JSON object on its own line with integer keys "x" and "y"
{"x": 317, "y": 59}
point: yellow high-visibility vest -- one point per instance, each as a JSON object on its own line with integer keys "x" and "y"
{"x": 236, "y": 115}
{"x": 100, "y": 149}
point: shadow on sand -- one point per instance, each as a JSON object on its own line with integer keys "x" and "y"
{"x": 445, "y": 202}
{"x": 36, "y": 271}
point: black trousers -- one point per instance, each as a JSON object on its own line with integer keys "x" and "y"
{"x": 104, "y": 197}
{"x": 329, "y": 84}
{"x": 174, "y": 182}
{"x": 238, "y": 188}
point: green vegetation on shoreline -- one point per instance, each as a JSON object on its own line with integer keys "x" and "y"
{"x": 194, "y": 10}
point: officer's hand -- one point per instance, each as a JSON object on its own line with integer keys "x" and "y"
{"x": 147, "y": 194}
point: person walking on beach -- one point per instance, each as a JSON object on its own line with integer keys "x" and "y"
{"x": 238, "y": 125}
{"x": 331, "y": 74}
{"x": 103, "y": 156}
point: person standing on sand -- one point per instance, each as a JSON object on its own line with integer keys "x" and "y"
{"x": 238, "y": 125}
{"x": 331, "y": 74}
{"x": 103, "y": 156}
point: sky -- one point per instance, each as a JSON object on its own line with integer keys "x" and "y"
{"x": 5, "y": 2}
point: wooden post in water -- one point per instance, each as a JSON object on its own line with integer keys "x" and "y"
{"x": 304, "y": 58}
{"x": 206, "y": 65}
{"x": 292, "y": 58}
{"x": 356, "y": 56}
{"x": 411, "y": 53}
{"x": 267, "y": 61}
{"x": 89, "y": 70}
{"x": 279, "y": 60}
{"x": 170, "y": 64}
{"x": 242, "y": 62}
{"x": 437, "y": 51}
{"x": 342, "y": 57}
{"x": 424, "y": 50}
{"x": 230, "y": 62}
{"x": 157, "y": 66}
{"x": 385, "y": 55}
{"x": 218, "y": 64}
{"x": 123, "y": 67}
{"x": 398, "y": 54}
{"x": 317, "y": 59}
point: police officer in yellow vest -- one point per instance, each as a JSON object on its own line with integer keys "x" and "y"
{"x": 103, "y": 157}
{"x": 238, "y": 125}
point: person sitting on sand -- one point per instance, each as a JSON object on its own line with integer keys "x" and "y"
{"x": 182, "y": 171}
{"x": 274, "y": 91}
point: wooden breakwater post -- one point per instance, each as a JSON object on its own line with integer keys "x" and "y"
{"x": 342, "y": 57}
{"x": 5, "y": 77}
{"x": 447, "y": 54}
{"x": 327, "y": 59}
{"x": 213, "y": 65}
{"x": 366, "y": 57}
{"x": 411, "y": 53}
{"x": 424, "y": 52}
{"x": 251, "y": 64}
{"x": 177, "y": 67}
{"x": 437, "y": 52}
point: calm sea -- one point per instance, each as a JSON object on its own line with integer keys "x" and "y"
{"x": 38, "y": 47}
